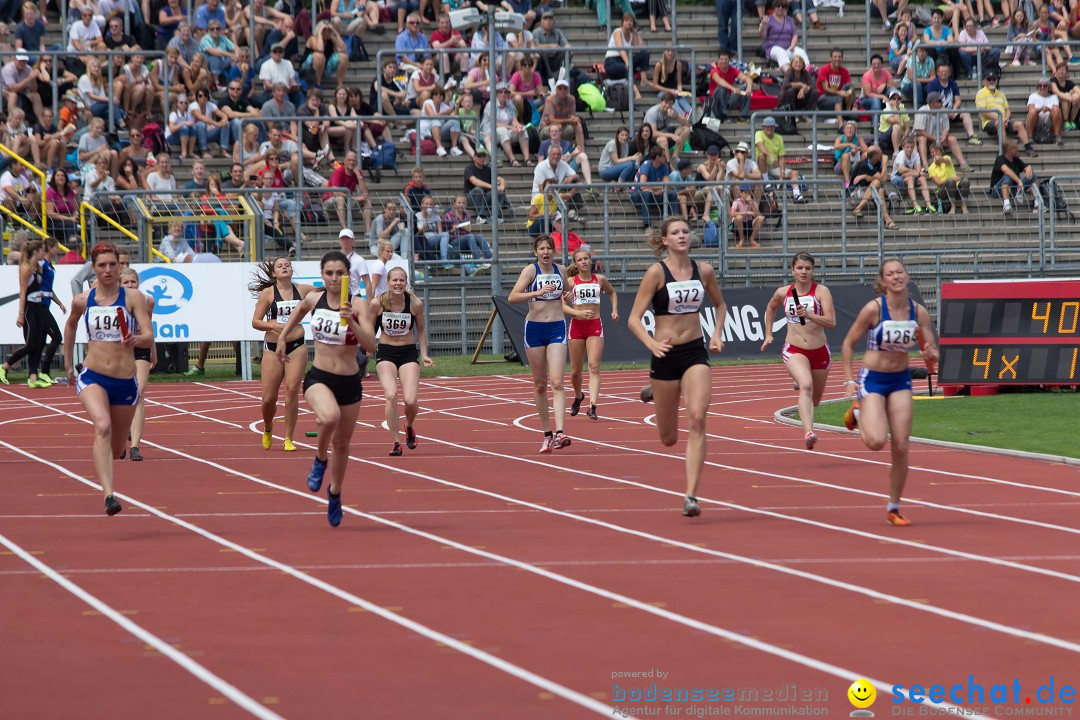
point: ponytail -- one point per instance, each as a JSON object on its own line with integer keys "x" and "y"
{"x": 263, "y": 276}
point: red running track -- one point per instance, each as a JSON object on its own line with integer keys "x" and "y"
{"x": 475, "y": 578}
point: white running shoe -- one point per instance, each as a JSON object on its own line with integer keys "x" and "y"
{"x": 440, "y": 151}
{"x": 546, "y": 446}
{"x": 456, "y": 151}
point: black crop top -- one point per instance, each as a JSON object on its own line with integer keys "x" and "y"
{"x": 679, "y": 297}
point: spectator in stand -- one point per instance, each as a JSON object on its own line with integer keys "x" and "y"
{"x": 969, "y": 54}
{"x": 477, "y": 187}
{"x": 894, "y": 124}
{"x": 175, "y": 246}
{"x": 507, "y": 127}
{"x": 30, "y": 32}
{"x": 138, "y": 89}
{"x": 85, "y": 35}
{"x": 20, "y": 85}
{"x": 990, "y": 98}
{"x": 392, "y": 92}
{"x": 1044, "y": 107}
{"x": 871, "y": 174}
{"x": 1068, "y": 95}
{"x": 683, "y": 172}
{"x": 390, "y": 226}
{"x": 669, "y": 127}
{"x": 446, "y": 37}
{"x": 746, "y": 217}
{"x": 237, "y": 110}
{"x": 900, "y": 48}
{"x": 729, "y": 89}
{"x": 282, "y": 34}
{"x": 61, "y": 207}
{"x": 1044, "y": 30}
{"x": 47, "y": 75}
{"x": 209, "y": 122}
{"x": 220, "y": 51}
{"x": 214, "y": 202}
{"x": 549, "y": 36}
{"x": 420, "y": 85}
{"x": 540, "y": 211}
{"x": 353, "y": 17}
{"x": 710, "y": 171}
{"x": 947, "y": 185}
{"x": 326, "y": 53}
{"x": 195, "y": 76}
{"x": 834, "y": 86}
{"x": 92, "y": 87}
{"x": 770, "y": 157}
{"x": 315, "y": 138}
{"x": 918, "y": 73}
{"x": 248, "y": 151}
{"x": 573, "y": 155}
{"x": 479, "y": 46}
{"x": 780, "y": 37}
{"x": 466, "y": 107}
{"x": 278, "y": 71}
{"x": 437, "y": 107}
{"x": 527, "y": 87}
{"x": 411, "y": 43}
{"x": 942, "y": 41}
{"x": 236, "y": 180}
{"x": 931, "y": 128}
{"x": 170, "y": 16}
{"x": 17, "y": 136}
{"x": 459, "y": 228}
{"x": 431, "y": 235}
{"x": 93, "y": 145}
{"x": 166, "y": 73}
{"x": 47, "y": 143}
{"x": 573, "y": 240}
{"x": 279, "y": 106}
{"x": 652, "y": 194}
{"x": 848, "y": 150}
{"x": 668, "y": 77}
{"x": 349, "y": 176}
{"x": 908, "y": 172}
{"x": 797, "y": 89}
{"x": 162, "y": 181}
{"x": 644, "y": 142}
{"x": 727, "y": 31}
{"x": 875, "y": 84}
{"x": 560, "y": 109}
{"x": 946, "y": 86}
{"x": 185, "y": 43}
{"x": 618, "y": 162}
{"x": 1010, "y": 176}
{"x": 554, "y": 167}
{"x": 621, "y": 63}
{"x": 197, "y": 183}
{"x": 417, "y": 189}
{"x": 1020, "y": 34}
{"x": 521, "y": 41}
{"x": 740, "y": 168}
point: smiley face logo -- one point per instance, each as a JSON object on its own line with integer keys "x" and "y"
{"x": 861, "y": 693}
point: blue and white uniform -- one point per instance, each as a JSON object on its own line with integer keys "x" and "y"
{"x": 103, "y": 325}
{"x": 542, "y": 334}
{"x": 890, "y": 336}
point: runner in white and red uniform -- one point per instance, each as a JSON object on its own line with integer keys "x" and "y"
{"x": 806, "y": 352}
{"x": 587, "y": 327}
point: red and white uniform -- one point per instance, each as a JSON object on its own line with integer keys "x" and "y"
{"x": 820, "y": 358}
{"x": 586, "y": 292}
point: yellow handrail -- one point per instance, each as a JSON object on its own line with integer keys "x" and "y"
{"x": 83, "y": 207}
{"x": 43, "y": 232}
{"x": 251, "y": 226}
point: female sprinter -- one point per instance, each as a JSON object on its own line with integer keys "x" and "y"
{"x": 890, "y": 325}
{"x": 396, "y": 313}
{"x": 586, "y": 327}
{"x": 145, "y": 360}
{"x": 542, "y": 285}
{"x": 332, "y": 385}
{"x": 33, "y": 315}
{"x": 806, "y": 353}
{"x": 277, "y": 298}
{"x": 675, "y": 288}
{"x": 116, "y": 322}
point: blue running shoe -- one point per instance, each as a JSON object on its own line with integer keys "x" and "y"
{"x": 333, "y": 508}
{"x": 315, "y": 476}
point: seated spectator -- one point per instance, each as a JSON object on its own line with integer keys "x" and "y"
{"x": 170, "y": 16}
{"x": 1068, "y": 95}
{"x": 237, "y": 110}
{"x": 278, "y": 106}
{"x": 811, "y": 9}
{"x": 353, "y": 17}
{"x": 350, "y": 177}
{"x": 1010, "y": 176}
{"x": 652, "y": 194}
{"x": 446, "y": 37}
{"x": 876, "y": 82}
{"x": 248, "y": 151}
{"x": 477, "y": 184}
{"x": 893, "y": 124}
{"x": 17, "y": 134}
{"x": 729, "y": 89}
{"x": 47, "y": 74}
{"x": 683, "y": 173}
{"x": 47, "y": 142}
{"x": 520, "y": 40}
{"x": 1043, "y": 32}
{"x": 947, "y": 185}
{"x": 437, "y": 107}
{"x": 411, "y": 43}
{"x": 668, "y": 77}
{"x": 326, "y": 53}
{"x": 20, "y": 85}
{"x": 278, "y": 71}
{"x": 314, "y": 135}
{"x": 669, "y": 127}
{"x": 284, "y": 34}
{"x": 478, "y": 81}
{"x": 389, "y": 92}
{"x": 30, "y": 32}
{"x": 175, "y": 246}
{"x": 1020, "y": 34}
{"x": 848, "y": 150}
{"x": 215, "y": 202}
{"x": 942, "y": 41}
{"x": 560, "y": 109}
{"x": 166, "y": 73}
{"x": 780, "y": 37}
{"x": 770, "y": 157}
{"x": 797, "y": 90}
{"x": 990, "y": 97}
{"x": 196, "y": 77}
{"x": 746, "y": 217}
{"x": 870, "y": 174}
{"x": 129, "y": 178}
{"x": 740, "y": 168}
{"x": 969, "y": 54}
{"x": 1044, "y": 108}
{"x": 554, "y": 167}
{"x": 430, "y": 229}
{"x": 918, "y": 73}
{"x": 390, "y": 226}
{"x": 236, "y": 180}
{"x": 540, "y": 212}
{"x": 931, "y": 128}
{"x": 209, "y": 122}
{"x": 417, "y": 189}
{"x": 908, "y": 172}
{"x": 573, "y": 240}
{"x": 618, "y": 160}
{"x": 84, "y": 35}
{"x": 206, "y": 12}
{"x": 420, "y": 84}
{"x": 138, "y": 88}
{"x": 219, "y": 50}
{"x": 834, "y": 86}
{"x": 713, "y": 170}
{"x": 466, "y": 110}
{"x": 100, "y": 190}
{"x": 618, "y": 63}
{"x": 275, "y": 210}
{"x": 900, "y": 48}
{"x": 507, "y": 127}
{"x": 946, "y": 86}
{"x": 573, "y": 155}
{"x": 547, "y": 36}
{"x": 460, "y": 236}
{"x": 479, "y": 47}
{"x": 161, "y": 180}
{"x": 93, "y": 146}
{"x": 527, "y": 89}
{"x": 185, "y": 43}
{"x": 198, "y": 179}
{"x": 61, "y": 206}
{"x": 95, "y": 94}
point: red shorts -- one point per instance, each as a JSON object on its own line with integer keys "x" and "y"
{"x": 820, "y": 358}
{"x": 581, "y": 329}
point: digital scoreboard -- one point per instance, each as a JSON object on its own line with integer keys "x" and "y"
{"x": 1021, "y": 332}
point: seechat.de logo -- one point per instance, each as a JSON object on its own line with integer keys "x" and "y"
{"x": 171, "y": 289}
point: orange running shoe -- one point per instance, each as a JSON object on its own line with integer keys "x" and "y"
{"x": 851, "y": 417}
{"x": 895, "y": 518}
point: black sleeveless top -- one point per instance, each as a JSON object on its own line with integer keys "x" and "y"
{"x": 397, "y": 324}
{"x": 280, "y": 309}
{"x": 679, "y": 297}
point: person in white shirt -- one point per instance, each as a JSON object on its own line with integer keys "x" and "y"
{"x": 17, "y": 193}
{"x": 85, "y": 35}
{"x": 908, "y": 171}
{"x": 385, "y": 259}
{"x": 429, "y": 225}
{"x": 175, "y": 246}
{"x": 437, "y": 107}
{"x": 1044, "y": 107}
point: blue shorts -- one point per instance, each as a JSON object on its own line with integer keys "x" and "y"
{"x": 883, "y": 383}
{"x": 542, "y": 334}
{"x": 121, "y": 391}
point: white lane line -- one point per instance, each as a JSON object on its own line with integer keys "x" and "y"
{"x": 225, "y": 688}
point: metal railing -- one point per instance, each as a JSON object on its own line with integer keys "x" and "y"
{"x": 43, "y": 230}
